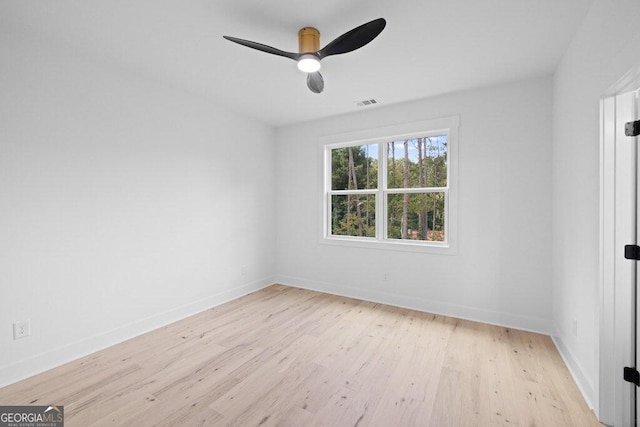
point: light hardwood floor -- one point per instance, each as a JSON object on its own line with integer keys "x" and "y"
{"x": 292, "y": 357}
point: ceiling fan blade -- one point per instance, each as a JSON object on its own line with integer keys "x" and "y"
{"x": 354, "y": 39}
{"x": 263, "y": 48}
{"x": 315, "y": 82}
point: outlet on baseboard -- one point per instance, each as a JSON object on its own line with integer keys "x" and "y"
{"x": 21, "y": 329}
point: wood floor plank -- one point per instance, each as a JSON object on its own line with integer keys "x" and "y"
{"x": 284, "y": 356}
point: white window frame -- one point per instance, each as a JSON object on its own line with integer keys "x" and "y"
{"x": 381, "y": 136}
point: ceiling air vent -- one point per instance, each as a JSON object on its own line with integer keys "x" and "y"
{"x": 367, "y": 102}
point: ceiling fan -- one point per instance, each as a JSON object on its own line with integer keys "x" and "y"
{"x": 310, "y": 54}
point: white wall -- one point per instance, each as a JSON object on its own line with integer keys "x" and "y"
{"x": 116, "y": 195}
{"x": 604, "y": 49}
{"x": 501, "y": 273}
{"x": 124, "y": 204}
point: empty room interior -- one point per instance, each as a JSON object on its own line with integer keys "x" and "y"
{"x": 426, "y": 231}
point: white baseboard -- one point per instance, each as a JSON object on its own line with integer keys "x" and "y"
{"x": 577, "y": 372}
{"x": 509, "y": 320}
{"x": 12, "y": 373}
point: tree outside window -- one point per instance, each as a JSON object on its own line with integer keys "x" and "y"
{"x": 390, "y": 190}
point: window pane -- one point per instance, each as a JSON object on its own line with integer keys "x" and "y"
{"x": 354, "y": 168}
{"x": 416, "y": 216}
{"x": 418, "y": 162}
{"x": 353, "y": 215}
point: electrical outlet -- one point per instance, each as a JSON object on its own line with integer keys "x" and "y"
{"x": 21, "y": 329}
{"x": 243, "y": 270}
{"x": 385, "y": 277}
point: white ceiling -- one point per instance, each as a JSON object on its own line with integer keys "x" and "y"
{"x": 429, "y": 47}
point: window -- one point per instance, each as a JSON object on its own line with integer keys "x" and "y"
{"x": 393, "y": 187}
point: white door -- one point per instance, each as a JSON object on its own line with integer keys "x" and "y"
{"x": 619, "y": 212}
{"x": 635, "y": 109}
{"x": 626, "y": 112}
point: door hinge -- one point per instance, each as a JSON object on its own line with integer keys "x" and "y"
{"x": 632, "y": 128}
{"x": 631, "y": 375}
{"x": 632, "y": 252}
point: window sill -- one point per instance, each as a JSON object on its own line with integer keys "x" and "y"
{"x": 401, "y": 246}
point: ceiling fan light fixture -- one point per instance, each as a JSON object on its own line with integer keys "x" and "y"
{"x": 309, "y": 52}
{"x": 309, "y": 63}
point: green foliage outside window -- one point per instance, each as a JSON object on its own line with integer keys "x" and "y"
{"x": 353, "y": 168}
{"x": 419, "y": 164}
{"x": 353, "y": 215}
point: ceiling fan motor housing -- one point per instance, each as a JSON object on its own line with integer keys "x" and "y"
{"x": 308, "y": 40}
